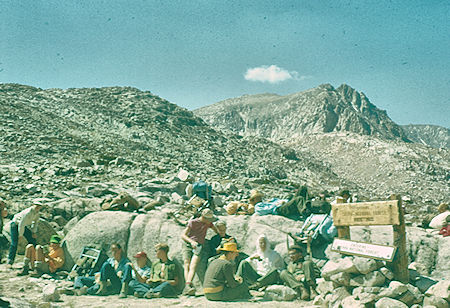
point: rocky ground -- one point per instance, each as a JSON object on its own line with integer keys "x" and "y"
{"x": 74, "y": 148}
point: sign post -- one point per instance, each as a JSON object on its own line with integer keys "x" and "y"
{"x": 370, "y": 214}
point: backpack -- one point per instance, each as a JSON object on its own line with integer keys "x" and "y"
{"x": 202, "y": 190}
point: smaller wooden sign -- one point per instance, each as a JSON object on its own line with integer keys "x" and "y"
{"x": 366, "y": 213}
{"x": 368, "y": 250}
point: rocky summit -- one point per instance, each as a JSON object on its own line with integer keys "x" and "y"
{"x": 320, "y": 110}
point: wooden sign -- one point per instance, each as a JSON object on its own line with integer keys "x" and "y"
{"x": 366, "y": 213}
{"x": 374, "y": 251}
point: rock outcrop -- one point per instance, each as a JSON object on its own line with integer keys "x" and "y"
{"x": 432, "y": 135}
{"x": 320, "y": 110}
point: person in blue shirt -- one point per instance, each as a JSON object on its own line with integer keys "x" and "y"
{"x": 116, "y": 270}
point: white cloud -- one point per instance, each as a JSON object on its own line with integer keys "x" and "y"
{"x": 271, "y": 74}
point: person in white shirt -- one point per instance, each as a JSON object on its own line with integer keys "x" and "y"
{"x": 20, "y": 227}
{"x": 261, "y": 268}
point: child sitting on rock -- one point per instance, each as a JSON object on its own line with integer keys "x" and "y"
{"x": 41, "y": 261}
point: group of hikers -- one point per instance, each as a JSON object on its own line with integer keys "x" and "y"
{"x": 226, "y": 273}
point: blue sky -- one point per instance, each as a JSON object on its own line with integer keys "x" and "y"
{"x": 195, "y": 53}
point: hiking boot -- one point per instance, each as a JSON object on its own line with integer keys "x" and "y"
{"x": 139, "y": 294}
{"x": 151, "y": 294}
{"x": 304, "y": 294}
{"x": 24, "y": 272}
{"x": 189, "y": 290}
{"x": 82, "y": 291}
{"x": 102, "y": 290}
{"x": 124, "y": 290}
{"x": 37, "y": 273}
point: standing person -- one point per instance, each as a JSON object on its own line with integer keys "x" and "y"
{"x": 43, "y": 262}
{"x": 194, "y": 237}
{"x": 220, "y": 284}
{"x": 300, "y": 274}
{"x": 261, "y": 269}
{"x": 140, "y": 274}
{"x": 20, "y": 228}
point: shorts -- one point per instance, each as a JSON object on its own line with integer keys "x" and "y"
{"x": 188, "y": 251}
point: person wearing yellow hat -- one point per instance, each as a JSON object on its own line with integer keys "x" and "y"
{"x": 220, "y": 283}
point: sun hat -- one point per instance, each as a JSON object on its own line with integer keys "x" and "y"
{"x": 208, "y": 215}
{"x": 231, "y": 247}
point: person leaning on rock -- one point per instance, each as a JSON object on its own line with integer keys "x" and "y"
{"x": 193, "y": 238}
{"x": 164, "y": 279}
{"x": 43, "y": 262}
{"x": 140, "y": 275}
{"x": 20, "y": 228}
{"x": 220, "y": 284}
{"x": 113, "y": 270}
{"x": 300, "y": 274}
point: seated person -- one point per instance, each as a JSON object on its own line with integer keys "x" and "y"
{"x": 139, "y": 274}
{"x": 344, "y": 196}
{"x": 193, "y": 239}
{"x": 217, "y": 241}
{"x": 261, "y": 268}
{"x": 43, "y": 262}
{"x": 300, "y": 274}
{"x": 164, "y": 280}
{"x": 220, "y": 284}
{"x": 445, "y": 231}
{"x": 113, "y": 270}
{"x": 297, "y": 206}
{"x": 439, "y": 221}
{"x": 318, "y": 229}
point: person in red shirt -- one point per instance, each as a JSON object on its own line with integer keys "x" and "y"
{"x": 193, "y": 238}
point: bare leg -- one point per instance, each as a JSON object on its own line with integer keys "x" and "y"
{"x": 187, "y": 262}
{"x": 192, "y": 268}
{"x": 39, "y": 253}
{"x": 30, "y": 253}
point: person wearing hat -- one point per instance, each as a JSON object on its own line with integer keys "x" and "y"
{"x": 300, "y": 274}
{"x": 20, "y": 227}
{"x": 220, "y": 284}
{"x": 139, "y": 274}
{"x": 193, "y": 238}
{"x": 42, "y": 261}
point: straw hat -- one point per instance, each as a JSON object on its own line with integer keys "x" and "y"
{"x": 231, "y": 247}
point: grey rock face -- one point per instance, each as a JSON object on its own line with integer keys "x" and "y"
{"x": 320, "y": 110}
{"x": 432, "y": 135}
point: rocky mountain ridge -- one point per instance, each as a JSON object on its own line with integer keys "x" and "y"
{"x": 54, "y": 142}
{"x": 90, "y": 143}
{"x": 432, "y": 135}
{"x": 323, "y": 109}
